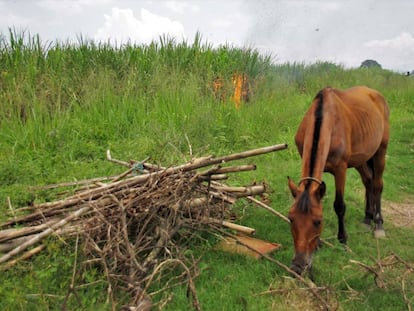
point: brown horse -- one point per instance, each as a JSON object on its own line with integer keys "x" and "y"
{"x": 341, "y": 129}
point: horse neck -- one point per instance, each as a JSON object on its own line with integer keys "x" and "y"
{"x": 317, "y": 142}
{"x": 315, "y": 169}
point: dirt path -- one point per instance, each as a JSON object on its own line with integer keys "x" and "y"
{"x": 400, "y": 214}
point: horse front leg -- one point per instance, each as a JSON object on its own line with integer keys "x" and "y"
{"x": 339, "y": 204}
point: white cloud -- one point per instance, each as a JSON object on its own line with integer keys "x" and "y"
{"x": 66, "y": 6}
{"x": 70, "y": 6}
{"x": 221, "y": 23}
{"x": 9, "y": 19}
{"x": 329, "y": 7}
{"x": 121, "y": 26}
{"x": 403, "y": 41}
{"x": 181, "y": 7}
{"x": 396, "y": 52}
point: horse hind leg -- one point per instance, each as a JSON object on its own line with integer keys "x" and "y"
{"x": 371, "y": 175}
{"x": 378, "y": 168}
{"x": 339, "y": 204}
{"x": 367, "y": 174}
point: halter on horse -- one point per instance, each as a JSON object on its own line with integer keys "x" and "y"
{"x": 341, "y": 129}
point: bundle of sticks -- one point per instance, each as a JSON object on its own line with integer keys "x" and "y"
{"x": 137, "y": 223}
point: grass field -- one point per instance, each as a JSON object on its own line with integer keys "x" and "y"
{"x": 63, "y": 105}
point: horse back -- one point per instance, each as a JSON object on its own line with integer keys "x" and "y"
{"x": 364, "y": 113}
{"x": 352, "y": 126}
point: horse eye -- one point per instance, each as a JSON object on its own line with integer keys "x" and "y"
{"x": 316, "y": 223}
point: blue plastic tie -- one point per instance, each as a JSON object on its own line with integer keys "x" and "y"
{"x": 138, "y": 167}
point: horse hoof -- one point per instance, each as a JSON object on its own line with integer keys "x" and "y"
{"x": 379, "y": 233}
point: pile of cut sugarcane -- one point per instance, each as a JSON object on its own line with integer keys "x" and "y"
{"x": 136, "y": 225}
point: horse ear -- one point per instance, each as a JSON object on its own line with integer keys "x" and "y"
{"x": 293, "y": 188}
{"x": 322, "y": 190}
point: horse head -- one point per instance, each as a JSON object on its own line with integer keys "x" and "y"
{"x": 305, "y": 217}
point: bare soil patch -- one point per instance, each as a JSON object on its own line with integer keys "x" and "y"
{"x": 400, "y": 214}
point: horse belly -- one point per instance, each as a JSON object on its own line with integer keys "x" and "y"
{"x": 350, "y": 151}
{"x": 366, "y": 136}
{"x": 362, "y": 152}
{"x": 359, "y": 158}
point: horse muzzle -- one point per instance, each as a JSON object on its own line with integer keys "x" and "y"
{"x": 301, "y": 262}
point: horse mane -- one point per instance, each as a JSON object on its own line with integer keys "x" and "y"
{"x": 317, "y": 130}
{"x": 303, "y": 204}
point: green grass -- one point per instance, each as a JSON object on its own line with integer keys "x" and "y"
{"x": 63, "y": 105}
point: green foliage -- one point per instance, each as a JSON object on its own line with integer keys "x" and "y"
{"x": 64, "y": 104}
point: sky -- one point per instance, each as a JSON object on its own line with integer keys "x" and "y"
{"x": 345, "y": 32}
